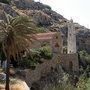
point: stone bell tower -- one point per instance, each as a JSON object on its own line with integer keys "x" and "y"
{"x": 71, "y": 38}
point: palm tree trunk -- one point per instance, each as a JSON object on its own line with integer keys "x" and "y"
{"x": 7, "y": 73}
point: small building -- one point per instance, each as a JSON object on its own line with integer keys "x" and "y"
{"x": 53, "y": 39}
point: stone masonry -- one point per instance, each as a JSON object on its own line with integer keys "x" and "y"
{"x": 71, "y": 38}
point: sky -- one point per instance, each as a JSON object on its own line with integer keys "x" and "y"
{"x": 78, "y": 10}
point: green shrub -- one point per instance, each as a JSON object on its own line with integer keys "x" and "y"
{"x": 45, "y": 52}
{"x": 27, "y": 63}
{"x": 88, "y": 84}
{"x": 40, "y": 30}
{"x": 31, "y": 60}
{"x": 34, "y": 57}
{"x": 81, "y": 85}
{"x": 5, "y": 1}
{"x": 63, "y": 87}
{"x": 84, "y": 56}
{"x": 82, "y": 53}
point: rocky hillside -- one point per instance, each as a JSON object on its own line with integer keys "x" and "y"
{"x": 42, "y": 14}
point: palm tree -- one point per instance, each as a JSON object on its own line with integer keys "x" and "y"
{"x": 14, "y": 38}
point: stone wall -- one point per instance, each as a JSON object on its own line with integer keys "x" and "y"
{"x": 43, "y": 70}
{"x": 53, "y": 39}
{"x": 71, "y": 41}
{"x": 70, "y": 61}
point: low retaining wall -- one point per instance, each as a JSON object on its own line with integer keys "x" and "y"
{"x": 42, "y": 70}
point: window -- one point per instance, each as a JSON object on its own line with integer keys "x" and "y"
{"x": 70, "y": 34}
{"x": 56, "y": 37}
{"x": 56, "y": 45}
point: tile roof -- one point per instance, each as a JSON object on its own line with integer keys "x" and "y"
{"x": 45, "y": 36}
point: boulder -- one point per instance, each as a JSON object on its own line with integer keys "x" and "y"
{"x": 29, "y": 4}
{"x": 53, "y": 14}
{"x": 19, "y": 85}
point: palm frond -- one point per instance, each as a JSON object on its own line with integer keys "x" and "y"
{"x": 3, "y": 26}
{"x": 19, "y": 20}
{"x": 8, "y": 17}
{"x": 18, "y": 36}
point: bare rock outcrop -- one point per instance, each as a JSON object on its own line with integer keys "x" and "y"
{"x": 29, "y": 4}
{"x": 8, "y": 9}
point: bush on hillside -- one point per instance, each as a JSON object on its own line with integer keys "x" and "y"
{"x": 30, "y": 61}
{"x": 5, "y": 1}
{"x": 81, "y": 85}
{"x": 34, "y": 57}
{"x": 45, "y": 52}
{"x": 84, "y": 56}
